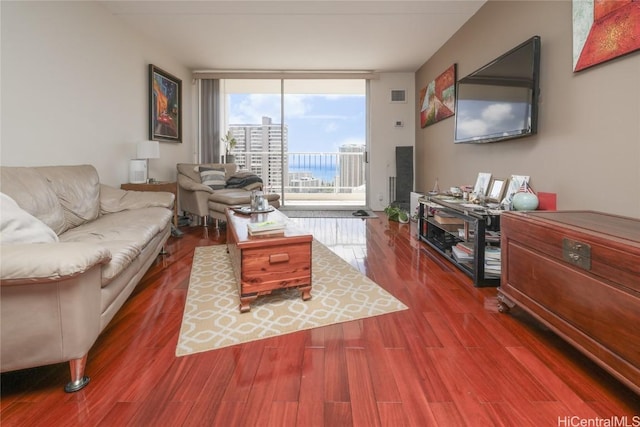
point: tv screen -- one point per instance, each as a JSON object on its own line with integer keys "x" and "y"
{"x": 500, "y": 100}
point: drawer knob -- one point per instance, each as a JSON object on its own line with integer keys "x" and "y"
{"x": 277, "y": 258}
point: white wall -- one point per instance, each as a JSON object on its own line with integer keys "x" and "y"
{"x": 384, "y": 136}
{"x": 75, "y": 90}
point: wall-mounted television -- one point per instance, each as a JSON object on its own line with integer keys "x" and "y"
{"x": 500, "y": 100}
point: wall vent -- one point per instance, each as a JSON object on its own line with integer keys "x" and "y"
{"x": 398, "y": 96}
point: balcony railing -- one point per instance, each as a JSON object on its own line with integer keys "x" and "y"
{"x": 310, "y": 178}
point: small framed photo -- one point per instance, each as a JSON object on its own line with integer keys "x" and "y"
{"x": 482, "y": 183}
{"x": 496, "y": 189}
{"x": 165, "y": 106}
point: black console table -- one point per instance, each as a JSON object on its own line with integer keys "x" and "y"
{"x": 465, "y": 234}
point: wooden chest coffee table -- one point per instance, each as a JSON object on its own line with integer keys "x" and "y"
{"x": 262, "y": 264}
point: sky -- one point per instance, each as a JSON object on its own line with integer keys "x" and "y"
{"x": 316, "y": 123}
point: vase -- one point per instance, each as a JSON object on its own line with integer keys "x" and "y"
{"x": 525, "y": 201}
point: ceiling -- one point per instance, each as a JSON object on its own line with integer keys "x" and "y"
{"x": 298, "y": 35}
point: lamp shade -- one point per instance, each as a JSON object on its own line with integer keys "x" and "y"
{"x": 148, "y": 150}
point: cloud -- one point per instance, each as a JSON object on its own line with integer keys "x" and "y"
{"x": 469, "y": 128}
{"x": 498, "y": 113}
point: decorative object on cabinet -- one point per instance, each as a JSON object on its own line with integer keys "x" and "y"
{"x": 578, "y": 272}
{"x": 515, "y": 182}
{"x": 604, "y": 30}
{"x": 438, "y": 98}
{"x": 525, "y": 199}
{"x": 547, "y": 201}
{"x": 165, "y": 106}
{"x": 482, "y": 183}
{"x": 496, "y": 189}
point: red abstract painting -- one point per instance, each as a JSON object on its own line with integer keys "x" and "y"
{"x": 437, "y": 100}
{"x": 613, "y": 30}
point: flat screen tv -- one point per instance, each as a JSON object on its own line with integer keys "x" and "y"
{"x": 500, "y": 100}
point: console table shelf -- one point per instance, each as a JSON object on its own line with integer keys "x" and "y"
{"x": 459, "y": 233}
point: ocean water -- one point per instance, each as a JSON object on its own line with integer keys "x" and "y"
{"x": 326, "y": 173}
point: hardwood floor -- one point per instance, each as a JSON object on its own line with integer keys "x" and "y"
{"x": 450, "y": 360}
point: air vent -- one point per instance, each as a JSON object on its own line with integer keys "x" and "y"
{"x": 399, "y": 96}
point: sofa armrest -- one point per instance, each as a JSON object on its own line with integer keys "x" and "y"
{"x": 190, "y": 185}
{"x": 116, "y": 200}
{"x": 44, "y": 262}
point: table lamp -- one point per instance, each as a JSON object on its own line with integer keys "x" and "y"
{"x": 139, "y": 167}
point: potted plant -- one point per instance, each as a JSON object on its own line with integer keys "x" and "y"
{"x": 230, "y": 143}
{"x": 395, "y": 213}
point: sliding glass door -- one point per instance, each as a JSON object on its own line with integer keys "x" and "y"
{"x": 305, "y": 138}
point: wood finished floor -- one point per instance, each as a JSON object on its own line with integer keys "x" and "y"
{"x": 450, "y": 360}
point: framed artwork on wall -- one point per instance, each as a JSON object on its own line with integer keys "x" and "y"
{"x": 604, "y": 30}
{"x": 165, "y": 106}
{"x": 438, "y": 99}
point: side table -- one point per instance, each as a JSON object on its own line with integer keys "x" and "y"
{"x": 166, "y": 186}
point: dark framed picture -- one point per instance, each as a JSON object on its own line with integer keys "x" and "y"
{"x": 165, "y": 106}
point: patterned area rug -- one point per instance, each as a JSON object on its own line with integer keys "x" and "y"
{"x": 212, "y": 319}
{"x": 302, "y": 213}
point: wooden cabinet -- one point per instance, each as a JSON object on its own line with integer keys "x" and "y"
{"x": 578, "y": 272}
{"x": 263, "y": 264}
{"x": 448, "y": 226}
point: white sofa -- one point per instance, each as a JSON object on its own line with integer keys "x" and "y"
{"x": 72, "y": 251}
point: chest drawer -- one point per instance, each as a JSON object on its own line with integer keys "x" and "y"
{"x": 277, "y": 266}
{"x": 608, "y": 257}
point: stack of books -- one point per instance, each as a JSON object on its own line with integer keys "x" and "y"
{"x": 463, "y": 251}
{"x": 447, "y": 221}
{"x": 492, "y": 261}
{"x": 266, "y": 228}
{"x": 492, "y": 236}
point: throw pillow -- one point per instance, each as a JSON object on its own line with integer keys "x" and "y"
{"x": 213, "y": 177}
{"x": 19, "y": 226}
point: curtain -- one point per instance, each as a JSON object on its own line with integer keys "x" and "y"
{"x": 210, "y": 121}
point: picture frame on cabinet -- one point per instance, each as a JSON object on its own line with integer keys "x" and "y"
{"x": 482, "y": 183}
{"x": 496, "y": 189}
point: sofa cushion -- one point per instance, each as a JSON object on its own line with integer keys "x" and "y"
{"x": 124, "y": 233}
{"x": 78, "y": 189}
{"x": 19, "y": 226}
{"x": 32, "y": 192}
{"x": 214, "y": 177}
